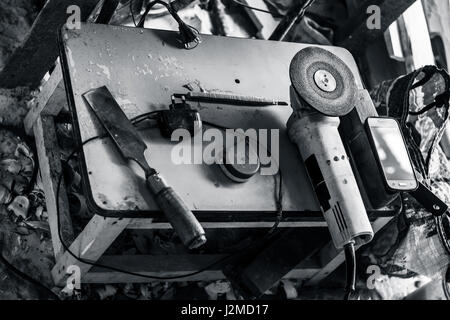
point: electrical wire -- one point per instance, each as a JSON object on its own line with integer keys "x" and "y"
{"x": 145, "y": 116}
{"x": 152, "y": 4}
{"x": 27, "y": 278}
{"x": 254, "y": 8}
{"x": 441, "y": 101}
{"x": 350, "y": 266}
{"x": 132, "y": 13}
{"x": 279, "y": 201}
{"x": 189, "y": 35}
{"x": 286, "y": 25}
{"x": 5, "y": 261}
{"x": 95, "y": 264}
{"x": 350, "y": 258}
{"x": 279, "y": 196}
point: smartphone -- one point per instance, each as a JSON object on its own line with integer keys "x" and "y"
{"x": 390, "y": 150}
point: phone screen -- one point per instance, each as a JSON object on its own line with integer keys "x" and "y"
{"x": 392, "y": 153}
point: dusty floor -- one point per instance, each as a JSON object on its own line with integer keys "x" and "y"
{"x": 16, "y": 17}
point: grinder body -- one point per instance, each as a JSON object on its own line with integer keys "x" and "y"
{"x": 319, "y": 143}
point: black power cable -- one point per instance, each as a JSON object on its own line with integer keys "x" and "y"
{"x": 279, "y": 196}
{"x": 95, "y": 264}
{"x": 5, "y": 261}
{"x": 294, "y": 15}
{"x": 132, "y": 13}
{"x": 27, "y": 278}
{"x": 350, "y": 265}
{"x": 190, "y": 36}
{"x": 239, "y": 3}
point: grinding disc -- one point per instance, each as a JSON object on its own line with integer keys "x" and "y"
{"x": 323, "y": 81}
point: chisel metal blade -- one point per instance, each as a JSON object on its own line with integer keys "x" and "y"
{"x": 119, "y": 127}
{"x": 131, "y": 146}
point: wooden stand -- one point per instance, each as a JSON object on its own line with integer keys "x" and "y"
{"x": 100, "y": 232}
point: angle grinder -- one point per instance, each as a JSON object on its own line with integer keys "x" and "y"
{"x": 323, "y": 89}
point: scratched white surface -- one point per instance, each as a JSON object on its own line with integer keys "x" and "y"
{"x": 142, "y": 68}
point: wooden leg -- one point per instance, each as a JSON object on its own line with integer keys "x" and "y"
{"x": 50, "y": 169}
{"x": 37, "y": 54}
{"x": 90, "y": 245}
{"x": 50, "y": 100}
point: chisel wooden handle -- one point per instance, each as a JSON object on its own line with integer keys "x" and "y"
{"x": 177, "y": 213}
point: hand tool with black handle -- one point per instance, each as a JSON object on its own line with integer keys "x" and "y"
{"x": 131, "y": 146}
{"x": 233, "y": 99}
{"x": 427, "y": 198}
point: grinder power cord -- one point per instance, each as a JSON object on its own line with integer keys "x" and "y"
{"x": 323, "y": 89}
{"x": 47, "y": 291}
{"x": 190, "y": 36}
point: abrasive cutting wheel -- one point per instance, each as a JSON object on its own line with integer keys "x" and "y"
{"x": 323, "y": 81}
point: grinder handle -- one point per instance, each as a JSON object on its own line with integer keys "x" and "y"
{"x": 177, "y": 212}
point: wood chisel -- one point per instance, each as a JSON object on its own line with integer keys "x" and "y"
{"x": 132, "y": 147}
